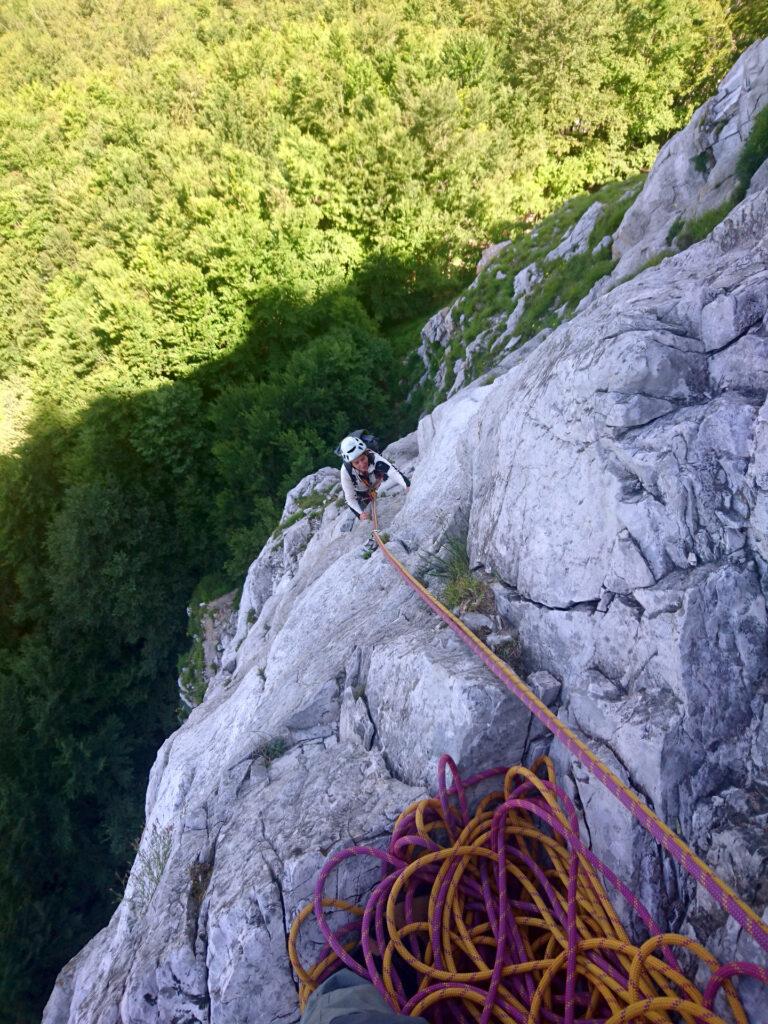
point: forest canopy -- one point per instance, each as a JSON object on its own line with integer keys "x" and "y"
{"x": 222, "y": 223}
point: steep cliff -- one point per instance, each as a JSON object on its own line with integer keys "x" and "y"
{"x": 612, "y": 480}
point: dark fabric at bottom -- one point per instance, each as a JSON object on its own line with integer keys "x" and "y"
{"x": 344, "y": 998}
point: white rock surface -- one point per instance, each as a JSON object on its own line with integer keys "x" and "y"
{"x": 498, "y": 334}
{"x": 490, "y": 254}
{"x": 576, "y": 240}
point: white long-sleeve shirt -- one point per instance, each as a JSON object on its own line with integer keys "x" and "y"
{"x": 358, "y": 485}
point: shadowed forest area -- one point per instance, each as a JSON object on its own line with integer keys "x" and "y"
{"x": 222, "y": 225}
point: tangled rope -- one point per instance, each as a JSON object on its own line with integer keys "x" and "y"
{"x": 501, "y": 914}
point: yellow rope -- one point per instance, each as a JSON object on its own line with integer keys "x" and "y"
{"x": 617, "y": 980}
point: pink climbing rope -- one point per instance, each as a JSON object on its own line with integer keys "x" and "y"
{"x": 438, "y": 938}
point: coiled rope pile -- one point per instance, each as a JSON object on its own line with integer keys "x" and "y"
{"x": 501, "y": 914}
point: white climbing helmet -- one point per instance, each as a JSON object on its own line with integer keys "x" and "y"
{"x": 351, "y": 448}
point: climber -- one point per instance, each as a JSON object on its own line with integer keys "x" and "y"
{"x": 363, "y": 473}
{"x": 344, "y": 998}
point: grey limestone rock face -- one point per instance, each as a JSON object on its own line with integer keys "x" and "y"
{"x": 626, "y": 522}
{"x": 490, "y": 254}
{"x": 218, "y": 623}
{"x": 322, "y": 482}
{"x": 442, "y": 328}
{"x": 289, "y": 757}
{"x": 695, "y": 170}
{"x": 576, "y": 240}
{"x": 435, "y": 698}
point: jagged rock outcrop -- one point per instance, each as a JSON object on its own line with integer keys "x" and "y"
{"x": 695, "y": 170}
{"x": 695, "y": 173}
{"x": 614, "y": 486}
{"x": 214, "y": 626}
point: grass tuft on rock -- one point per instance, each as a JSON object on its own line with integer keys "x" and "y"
{"x": 271, "y": 750}
{"x": 697, "y": 229}
{"x": 754, "y": 153}
{"x": 461, "y": 588}
{"x": 482, "y": 311}
{"x": 150, "y": 865}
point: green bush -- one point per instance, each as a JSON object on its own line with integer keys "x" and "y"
{"x": 286, "y": 523}
{"x": 151, "y": 859}
{"x": 192, "y": 682}
{"x": 703, "y": 162}
{"x": 617, "y": 199}
{"x": 565, "y": 283}
{"x": 271, "y": 750}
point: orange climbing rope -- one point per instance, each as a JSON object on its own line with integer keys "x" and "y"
{"x": 502, "y": 915}
{"x": 672, "y": 843}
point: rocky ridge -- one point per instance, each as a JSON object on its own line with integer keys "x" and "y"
{"x": 616, "y": 233}
{"x": 613, "y": 486}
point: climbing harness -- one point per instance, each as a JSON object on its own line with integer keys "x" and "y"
{"x": 502, "y": 915}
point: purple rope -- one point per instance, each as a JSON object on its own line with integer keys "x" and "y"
{"x": 484, "y": 902}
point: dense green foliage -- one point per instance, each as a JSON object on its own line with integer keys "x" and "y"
{"x": 219, "y": 220}
{"x": 749, "y": 21}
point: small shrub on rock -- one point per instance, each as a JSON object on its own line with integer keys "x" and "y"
{"x": 509, "y": 651}
{"x": 150, "y": 864}
{"x": 271, "y": 750}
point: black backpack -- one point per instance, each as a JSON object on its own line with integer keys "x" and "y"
{"x": 369, "y": 440}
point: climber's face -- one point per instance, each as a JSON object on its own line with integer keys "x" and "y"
{"x": 360, "y": 463}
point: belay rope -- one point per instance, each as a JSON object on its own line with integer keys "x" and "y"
{"x": 502, "y": 915}
{"x": 675, "y": 847}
